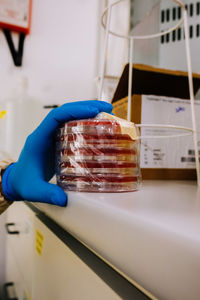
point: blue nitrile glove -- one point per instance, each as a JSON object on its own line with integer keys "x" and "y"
{"x": 27, "y": 179}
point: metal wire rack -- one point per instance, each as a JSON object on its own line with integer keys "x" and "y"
{"x": 132, "y": 38}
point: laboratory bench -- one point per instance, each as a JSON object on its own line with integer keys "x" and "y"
{"x": 137, "y": 245}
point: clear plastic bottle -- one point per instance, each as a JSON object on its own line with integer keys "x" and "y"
{"x": 23, "y": 115}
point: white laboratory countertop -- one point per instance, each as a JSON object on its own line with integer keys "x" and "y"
{"x": 152, "y": 236}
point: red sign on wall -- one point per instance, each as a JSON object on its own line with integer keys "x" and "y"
{"x": 16, "y": 15}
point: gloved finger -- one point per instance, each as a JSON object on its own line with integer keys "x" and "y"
{"x": 47, "y": 193}
{"x": 7, "y": 185}
{"x": 71, "y": 111}
{"x": 80, "y": 110}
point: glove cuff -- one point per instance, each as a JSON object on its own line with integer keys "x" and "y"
{"x": 7, "y": 189}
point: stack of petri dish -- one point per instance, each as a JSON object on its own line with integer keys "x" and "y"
{"x": 94, "y": 155}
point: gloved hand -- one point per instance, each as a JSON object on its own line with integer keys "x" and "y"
{"x": 27, "y": 179}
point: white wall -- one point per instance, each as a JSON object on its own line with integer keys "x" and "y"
{"x": 117, "y": 50}
{"x": 146, "y": 18}
{"x": 141, "y": 10}
{"x": 60, "y": 55}
{"x": 117, "y": 54}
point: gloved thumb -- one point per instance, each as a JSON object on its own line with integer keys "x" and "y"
{"x": 49, "y": 193}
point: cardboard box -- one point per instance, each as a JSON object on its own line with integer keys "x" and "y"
{"x": 149, "y": 80}
{"x": 160, "y": 83}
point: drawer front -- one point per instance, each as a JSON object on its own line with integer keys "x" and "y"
{"x": 20, "y": 238}
{"x": 60, "y": 274}
{"x": 15, "y": 286}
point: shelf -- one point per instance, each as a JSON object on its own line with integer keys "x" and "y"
{"x": 151, "y": 236}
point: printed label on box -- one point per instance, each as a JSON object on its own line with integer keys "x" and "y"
{"x": 169, "y": 152}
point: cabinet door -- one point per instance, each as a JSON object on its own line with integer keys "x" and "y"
{"x": 14, "y": 287}
{"x": 60, "y": 274}
{"x": 20, "y": 238}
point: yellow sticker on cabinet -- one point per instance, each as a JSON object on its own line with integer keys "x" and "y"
{"x": 39, "y": 239}
{"x": 2, "y": 114}
{"x": 28, "y": 297}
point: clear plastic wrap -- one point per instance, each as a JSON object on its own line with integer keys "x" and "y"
{"x": 98, "y": 155}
